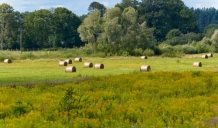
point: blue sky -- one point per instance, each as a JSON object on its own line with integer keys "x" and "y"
{"x": 80, "y": 7}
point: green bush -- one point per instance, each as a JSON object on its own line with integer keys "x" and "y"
{"x": 148, "y": 52}
{"x": 189, "y": 49}
{"x": 87, "y": 49}
{"x": 172, "y": 51}
{"x": 202, "y": 48}
{"x": 137, "y": 52}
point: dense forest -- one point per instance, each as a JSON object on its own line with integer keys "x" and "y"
{"x": 132, "y": 27}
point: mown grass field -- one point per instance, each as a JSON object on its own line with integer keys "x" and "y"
{"x": 47, "y": 70}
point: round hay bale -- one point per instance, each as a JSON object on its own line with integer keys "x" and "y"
{"x": 7, "y": 61}
{"x": 88, "y": 65}
{"x": 78, "y": 59}
{"x": 62, "y": 63}
{"x": 210, "y": 55}
{"x": 197, "y": 64}
{"x": 204, "y": 56}
{"x": 99, "y": 66}
{"x": 144, "y": 57}
{"x": 69, "y": 61}
{"x": 145, "y": 68}
{"x": 70, "y": 69}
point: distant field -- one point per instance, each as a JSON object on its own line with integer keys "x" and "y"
{"x": 47, "y": 70}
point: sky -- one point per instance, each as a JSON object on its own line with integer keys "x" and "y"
{"x": 80, "y": 7}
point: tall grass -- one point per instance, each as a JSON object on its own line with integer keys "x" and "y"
{"x": 46, "y": 54}
{"x": 155, "y": 99}
{"x": 173, "y": 94}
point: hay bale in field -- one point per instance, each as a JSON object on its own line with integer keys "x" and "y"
{"x": 70, "y": 69}
{"x": 69, "y": 61}
{"x": 7, "y": 61}
{"x": 204, "y": 56}
{"x": 210, "y": 55}
{"x": 144, "y": 57}
{"x": 197, "y": 64}
{"x": 99, "y": 66}
{"x": 62, "y": 63}
{"x": 78, "y": 59}
{"x": 88, "y": 65}
{"x": 145, "y": 68}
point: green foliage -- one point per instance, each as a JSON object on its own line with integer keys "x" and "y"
{"x": 214, "y": 40}
{"x": 64, "y": 28}
{"x": 191, "y": 36}
{"x": 173, "y": 33}
{"x": 8, "y": 26}
{"x": 87, "y": 49}
{"x": 137, "y": 52}
{"x": 20, "y": 108}
{"x": 130, "y": 25}
{"x": 128, "y": 3}
{"x": 166, "y": 99}
{"x": 124, "y": 34}
{"x": 148, "y": 52}
{"x": 176, "y": 37}
{"x": 165, "y": 16}
{"x": 39, "y": 25}
{"x": 189, "y": 49}
{"x": 68, "y": 100}
{"x": 90, "y": 27}
{"x": 203, "y": 45}
{"x": 205, "y": 17}
{"x": 176, "y": 41}
{"x": 170, "y": 51}
{"x": 209, "y": 30}
{"x": 98, "y": 6}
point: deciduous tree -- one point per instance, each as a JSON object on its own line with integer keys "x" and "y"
{"x": 6, "y": 12}
{"x": 96, "y": 5}
{"x": 90, "y": 27}
{"x": 65, "y": 24}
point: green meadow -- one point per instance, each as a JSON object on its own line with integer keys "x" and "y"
{"x": 41, "y": 67}
{"x": 36, "y": 92}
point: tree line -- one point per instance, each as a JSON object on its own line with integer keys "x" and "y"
{"x": 131, "y": 27}
{"x": 206, "y": 16}
{"x": 53, "y": 28}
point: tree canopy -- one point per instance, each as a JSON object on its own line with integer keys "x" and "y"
{"x": 131, "y": 27}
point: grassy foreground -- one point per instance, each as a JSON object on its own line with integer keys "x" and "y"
{"x": 173, "y": 94}
{"x": 140, "y": 100}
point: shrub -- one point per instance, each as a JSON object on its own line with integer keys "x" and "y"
{"x": 202, "y": 48}
{"x": 148, "y": 52}
{"x": 137, "y": 52}
{"x": 87, "y": 49}
{"x": 189, "y": 49}
{"x": 170, "y": 51}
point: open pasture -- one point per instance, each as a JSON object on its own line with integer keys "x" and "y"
{"x": 25, "y": 72}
